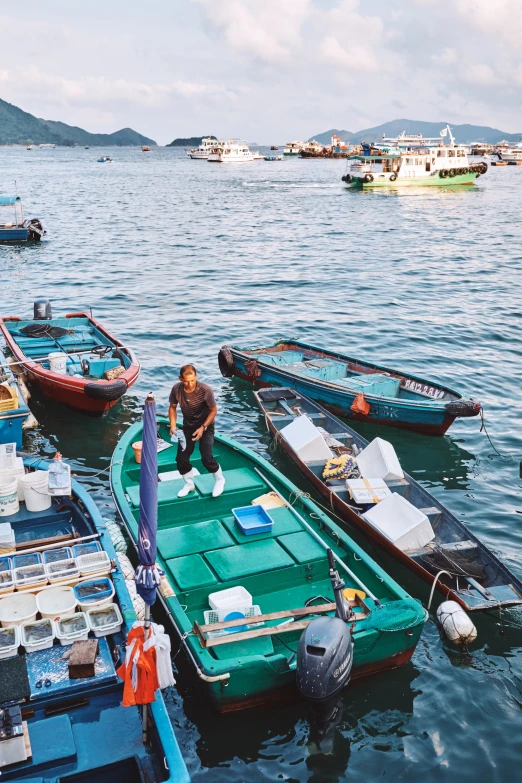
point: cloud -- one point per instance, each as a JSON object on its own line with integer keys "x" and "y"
{"x": 481, "y": 74}
{"x": 353, "y": 58}
{"x": 266, "y": 29}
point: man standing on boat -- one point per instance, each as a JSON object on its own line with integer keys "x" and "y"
{"x": 199, "y": 410}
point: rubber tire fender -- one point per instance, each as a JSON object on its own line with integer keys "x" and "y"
{"x": 343, "y": 178}
{"x": 393, "y": 177}
{"x": 110, "y": 390}
{"x": 452, "y": 172}
{"x": 484, "y": 167}
{"x": 368, "y": 178}
{"x": 465, "y": 171}
{"x": 348, "y": 178}
{"x": 226, "y": 362}
{"x": 444, "y": 173}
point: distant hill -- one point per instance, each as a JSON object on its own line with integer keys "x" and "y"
{"x": 463, "y": 133}
{"x": 20, "y": 127}
{"x": 193, "y": 141}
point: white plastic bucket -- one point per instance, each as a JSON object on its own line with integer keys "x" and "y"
{"x": 56, "y": 601}
{"x": 17, "y": 608}
{"x": 36, "y": 490}
{"x": 58, "y": 362}
{"x": 9, "y": 503}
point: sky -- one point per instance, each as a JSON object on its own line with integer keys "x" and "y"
{"x": 268, "y": 71}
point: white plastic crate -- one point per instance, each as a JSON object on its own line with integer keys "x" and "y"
{"x": 9, "y": 641}
{"x": 213, "y": 616}
{"x": 30, "y": 577}
{"x": 402, "y": 523}
{"x": 105, "y": 621}
{"x": 6, "y": 582}
{"x": 63, "y": 571}
{"x": 38, "y": 635}
{"x": 72, "y": 629}
{"x": 231, "y": 598}
{"x": 379, "y": 460}
{"x": 305, "y": 439}
{"x": 94, "y": 563}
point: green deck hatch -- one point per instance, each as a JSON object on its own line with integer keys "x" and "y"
{"x": 235, "y": 480}
{"x": 190, "y": 572}
{"x": 192, "y": 538}
{"x": 234, "y": 562}
{"x": 303, "y": 547}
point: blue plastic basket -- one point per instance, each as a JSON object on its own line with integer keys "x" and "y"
{"x": 5, "y": 564}
{"x": 86, "y": 549}
{"x": 253, "y": 519}
{"x": 32, "y": 558}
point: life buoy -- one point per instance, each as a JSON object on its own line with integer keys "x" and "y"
{"x": 393, "y": 177}
{"x": 452, "y": 172}
{"x": 443, "y": 173}
{"x": 368, "y": 178}
{"x": 226, "y": 362}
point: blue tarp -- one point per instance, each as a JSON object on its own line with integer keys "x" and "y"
{"x": 147, "y": 575}
{"x": 9, "y": 201}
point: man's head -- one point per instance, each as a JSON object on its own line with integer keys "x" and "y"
{"x": 188, "y": 377}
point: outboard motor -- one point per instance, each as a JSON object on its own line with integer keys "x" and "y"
{"x": 42, "y": 310}
{"x": 325, "y": 652}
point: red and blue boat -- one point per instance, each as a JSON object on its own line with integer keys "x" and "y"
{"x": 74, "y": 360}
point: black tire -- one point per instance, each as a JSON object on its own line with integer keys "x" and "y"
{"x": 452, "y": 172}
{"x": 110, "y": 390}
{"x": 393, "y": 177}
{"x": 465, "y": 171}
{"x": 462, "y": 408}
{"x": 443, "y": 173}
{"x": 484, "y": 167}
{"x": 368, "y": 178}
{"x": 226, "y": 362}
{"x": 343, "y": 178}
{"x": 348, "y": 179}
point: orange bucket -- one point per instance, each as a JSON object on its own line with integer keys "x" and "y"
{"x": 137, "y": 450}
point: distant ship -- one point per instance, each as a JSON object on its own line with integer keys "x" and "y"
{"x": 145, "y": 149}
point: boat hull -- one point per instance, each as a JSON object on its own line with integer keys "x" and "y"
{"x": 429, "y": 417}
{"x": 400, "y": 182}
{"x": 244, "y": 679}
{"x": 91, "y": 397}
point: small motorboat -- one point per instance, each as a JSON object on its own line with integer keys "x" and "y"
{"x": 20, "y": 229}
{"x": 350, "y": 387}
{"x": 105, "y": 159}
{"x": 258, "y": 563}
{"x": 74, "y": 360}
{"x": 394, "y": 511}
{"x": 145, "y": 149}
{"x": 61, "y": 697}
{"x": 274, "y": 157}
{"x": 274, "y": 147}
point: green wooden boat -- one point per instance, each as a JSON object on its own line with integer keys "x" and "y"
{"x": 202, "y": 550}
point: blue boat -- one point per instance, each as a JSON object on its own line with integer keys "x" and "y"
{"x": 13, "y": 410}
{"x": 19, "y": 229}
{"x": 77, "y": 729}
{"x": 105, "y": 159}
{"x": 350, "y": 387}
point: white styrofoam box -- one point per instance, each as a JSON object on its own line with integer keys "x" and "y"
{"x": 231, "y": 598}
{"x": 368, "y": 490}
{"x": 379, "y": 460}
{"x": 7, "y": 538}
{"x": 17, "y": 469}
{"x": 12, "y": 751}
{"x": 105, "y": 621}
{"x": 306, "y": 440}
{"x": 402, "y": 523}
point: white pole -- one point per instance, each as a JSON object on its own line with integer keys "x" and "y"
{"x": 144, "y": 729}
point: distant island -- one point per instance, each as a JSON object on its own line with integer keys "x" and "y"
{"x": 193, "y": 141}
{"x": 465, "y": 134}
{"x": 20, "y": 127}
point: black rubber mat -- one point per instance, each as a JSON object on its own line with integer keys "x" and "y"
{"x": 14, "y": 681}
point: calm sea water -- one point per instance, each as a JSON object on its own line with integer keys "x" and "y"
{"x": 179, "y": 257}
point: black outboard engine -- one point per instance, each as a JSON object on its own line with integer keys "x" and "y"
{"x": 42, "y": 310}
{"x": 325, "y": 652}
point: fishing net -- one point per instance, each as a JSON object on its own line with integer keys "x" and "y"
{"x": 45, "y": 330}
{"x": 396, "y": 615}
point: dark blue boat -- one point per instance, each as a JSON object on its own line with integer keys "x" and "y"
{"x": 13, "y": 410}
{"x": 19, "y": 229}
{"x": 335, "y": 380}
{"x": 76, "y": 728}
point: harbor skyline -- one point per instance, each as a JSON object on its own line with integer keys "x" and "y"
{"x": 266, "y": 72}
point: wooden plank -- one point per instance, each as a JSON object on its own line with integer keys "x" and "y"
{"x": 262, "y": 618}
{"x": 27, "y": 741}
{"x": 255, "y": 633}
{"x": 41, "y": 542}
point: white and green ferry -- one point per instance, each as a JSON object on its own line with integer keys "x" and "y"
{"x": 434, "y": 164}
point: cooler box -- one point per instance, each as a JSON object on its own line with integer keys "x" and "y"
{"x": 378, "y": 385}
{"x": 306, "y": 440}
{"x": 367, "y": 490}
{"x": 379, "y": 460}
{"x": 403, "y": 524}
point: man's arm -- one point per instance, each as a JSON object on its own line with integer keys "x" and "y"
{"x": 208, "y": 421}
{"x": 172, "y": 417}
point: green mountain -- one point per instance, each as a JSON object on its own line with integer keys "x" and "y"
{"x": 20, "y": 127}
{"x": 193, "y": 141}
{"x": 462, "y": 133}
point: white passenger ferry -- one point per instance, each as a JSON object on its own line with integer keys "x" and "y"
{"x": 231, "y": 152}
{"x": 435, "y": 164}
{"x": 205, "y": 148}
{"x": 294, "y": 147}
